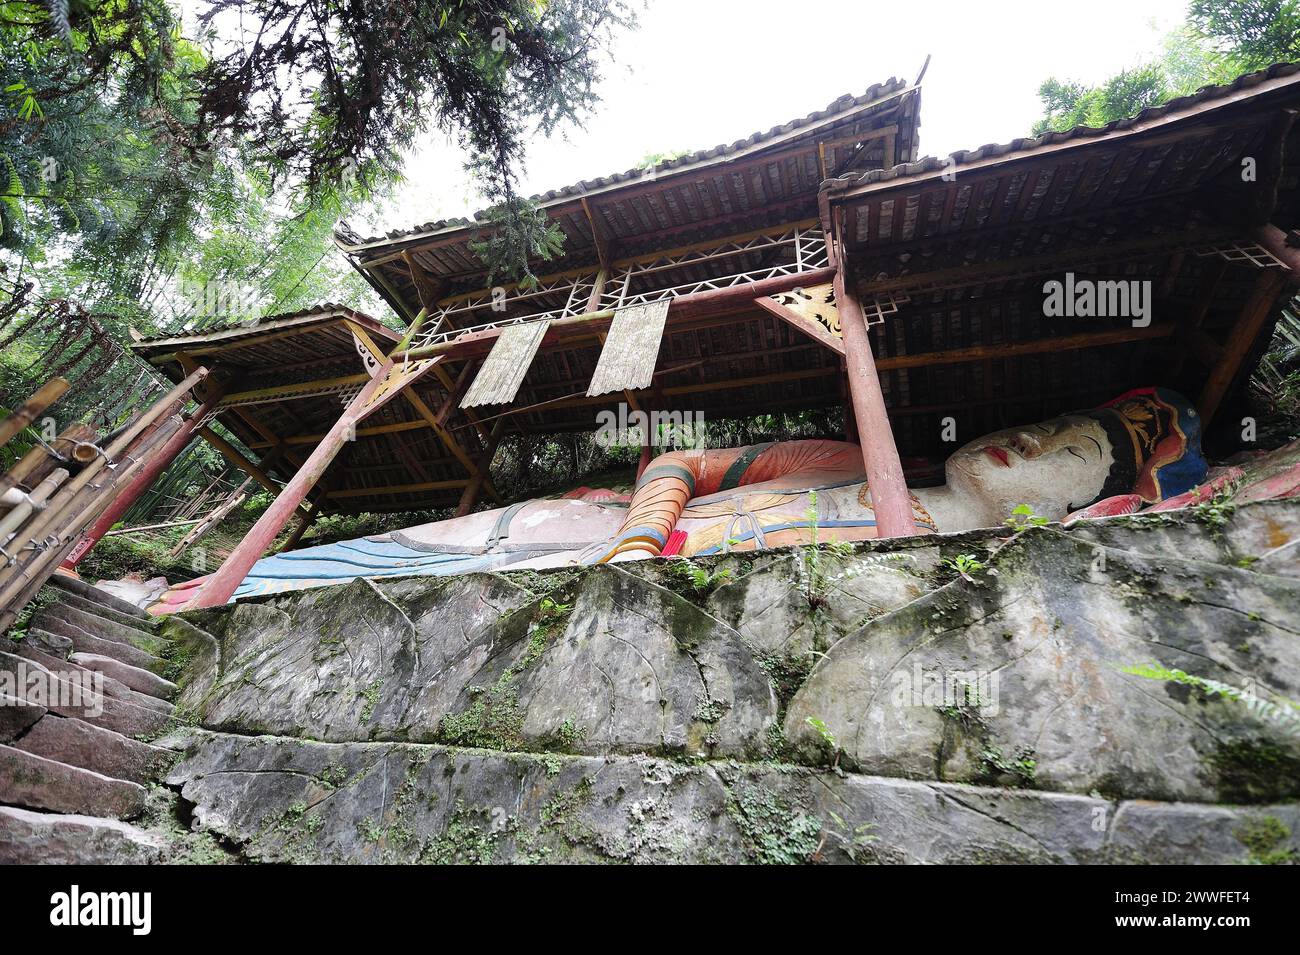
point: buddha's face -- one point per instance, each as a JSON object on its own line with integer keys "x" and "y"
{"x": 1055, "y": 467}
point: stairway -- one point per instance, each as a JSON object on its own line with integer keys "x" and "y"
{"x": 75, "y": 766}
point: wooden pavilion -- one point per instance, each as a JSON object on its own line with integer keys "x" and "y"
{"x": 817, "y": 264}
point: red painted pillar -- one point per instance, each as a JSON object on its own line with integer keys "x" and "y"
{"x": 889, "y": 496}
{"x": 222, "y": 585}
{"x": 143, "y": 481}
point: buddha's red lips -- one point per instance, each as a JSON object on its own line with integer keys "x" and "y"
{"x": 999, "y": 455}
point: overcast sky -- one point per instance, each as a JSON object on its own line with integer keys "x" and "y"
{"x": 702, "y": 72}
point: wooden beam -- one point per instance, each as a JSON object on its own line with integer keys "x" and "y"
{"x": 426, "y": 289}
{"x": 801, "y": 324}
{"x": 479, "y": 476}
{"x": 378, "y": 429}
{"x": 232, "y": 454}
{"x": 305, "y": 521}
{"x": 598, "y": 236}
{"x": 447, "y": 438}
{"x": 290, "y": 391}
{"x": 1255, "y": 312}
{"x": 396, "y": 488}
{"x": 699, "y": 304}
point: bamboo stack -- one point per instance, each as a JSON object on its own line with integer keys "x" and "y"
{"x": 55, "y": 492}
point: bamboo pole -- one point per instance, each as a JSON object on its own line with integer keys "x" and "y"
{"x": 157, "y": 463}
{"x": 45, "y": 396}
{"x": 165, "y": 525}
{"x": 30, "y": 466}
{"x": 213, "y": 518}
{"x": 167, "y": 405}
{"x": 28, "y": 574}
{"x": 10, "y": 523}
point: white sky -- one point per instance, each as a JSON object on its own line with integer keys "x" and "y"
{"x": 702, "y": 72}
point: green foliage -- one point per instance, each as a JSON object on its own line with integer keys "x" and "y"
{"x": 1069, "y": 104}
{"x": 965, "y": 566}
{"x": 1285, "y": 715}
{"x": 1213, "y": 48}
{"x": 44, "y": 598}
{"x": 514, "y": 233}
{"x": 827, "y": 737}
{"x": 1265, "y": 839}
{"x": 700, "y": 580}
{"x": 1023, "y": 516}
{"x": 776, "y": 834}
{"x": 1252, "y": 33}
{"x": 345, "y": 91}
{"x": 1020, "y": 767}
{"x": 1218, "y": 510}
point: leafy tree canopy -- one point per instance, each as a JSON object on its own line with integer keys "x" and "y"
{"x": 133, "y": 157}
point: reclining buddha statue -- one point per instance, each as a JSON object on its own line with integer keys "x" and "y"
{"x": 1138, "y": 450}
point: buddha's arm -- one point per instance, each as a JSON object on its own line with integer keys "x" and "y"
{"x": 674, "y": 478}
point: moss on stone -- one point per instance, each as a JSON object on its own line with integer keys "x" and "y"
{"x": 1253, "y": 771}
{"x": 775, "y": 834}
{"x": 1263, "y": 837}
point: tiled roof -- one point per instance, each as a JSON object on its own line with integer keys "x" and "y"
{"x": 351, "y": 240}
{"x": 1150, "y": 115}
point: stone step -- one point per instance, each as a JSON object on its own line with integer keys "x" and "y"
{"x": 78, "y": 743}
{"x": 90, "y": 592}
{"x": 51, "y": 643}
{"x": 137, "y": 678}
{"x": 66, "y": 698}
{"x": 16, "y": 715}
{"x": 89, "y": 643}
{"x": 112, "y": 686}
{"x": 101, "y": 627}
{"x": 106, "y": 613}
{"x": 35, "y": 782}
{"x": 39, "y": 838}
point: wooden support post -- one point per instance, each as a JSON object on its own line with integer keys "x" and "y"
{"x": 647, "y": 454}
{"x": 222, "y": 585}
{"x": 846, "y": 396}
{"x": 306, "y": 520}
{"x": 889, "y": 496}
{"x": 144, "y": 480}
{"x": 1254, "y": 313}
{"x": 479, "y": 475}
